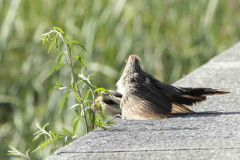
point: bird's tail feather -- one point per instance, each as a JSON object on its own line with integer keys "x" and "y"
{"x": 190, "y": 96}
{"x": 202, "y": 91}
{"x": 178, "y": 108}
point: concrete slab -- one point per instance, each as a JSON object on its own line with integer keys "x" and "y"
{"x": 212, "y": 133}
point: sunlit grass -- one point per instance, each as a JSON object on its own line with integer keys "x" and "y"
{"x": 172, "y": 37}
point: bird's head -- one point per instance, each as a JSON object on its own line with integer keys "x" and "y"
{"x": 131, "y": 69}
{"x": 132, "y": 65}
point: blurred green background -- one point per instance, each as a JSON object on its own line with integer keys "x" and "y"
{"x": 172, "y": 37}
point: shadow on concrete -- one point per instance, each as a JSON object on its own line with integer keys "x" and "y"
{"x": 204, "y": 114}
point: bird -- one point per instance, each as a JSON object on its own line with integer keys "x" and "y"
{"x": 145, "y": 97}
{"x": 110, "y": 103}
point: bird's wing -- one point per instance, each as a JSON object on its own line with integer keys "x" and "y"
{"x": 180, "y": 95}
{"x": 177, "y": 95}
{"x": 162, "y": 88}
{"x": 115, "y": 93}
{"x": 144, "y": 105}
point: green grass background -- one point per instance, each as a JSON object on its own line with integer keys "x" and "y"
{"x": 172, "y": 37}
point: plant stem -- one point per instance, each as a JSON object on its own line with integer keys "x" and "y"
{"x": 73, "y": 75}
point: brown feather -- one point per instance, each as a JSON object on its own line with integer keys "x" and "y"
{"x": 145, "y": 97}
{"x": 178, "y": 108}
{"x": 135, "y": 108}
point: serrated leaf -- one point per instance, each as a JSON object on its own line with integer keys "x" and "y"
{"x": 63, "y": 100}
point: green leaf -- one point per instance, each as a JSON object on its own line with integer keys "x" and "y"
{"x": 50, "y": 46}
{"x": 53, "y": 149}
{"x": 55, "y": 68}
{"x": 60, "y": 58}
{"x": 79, "y": 44}
{"x": 65, "y": 140}
{"x": 52, "y": 70}
{"x": 84, "y": 79}
{"x": 75, "y": 105}
{"x": 81, "y": 60}
{"x": 76, "y": 116}
{"x": 88, "y": 101}
{"x": 110, "y": 122}
{"x": 45, "y": 125}
{"x": 63, "y": 100}
{"x": 75, "y": 126}
{"x": 101, "y": 89}
{"x": 74, "y": 86}
{"x": 98, "y": 104}
{"x": 58, "y": 85}
{"x": 91, "y": 114}
{"x": 59, "y": 30}
{"x": 78, "y": 99}
{"x": 87, "y": 94}
{"x": 101, "y": 126}
{"x": 70, "y": 49}
{"x": 17, "y": 153}
{"x": 56, "y": 44}
{"x": 44, "y": 144}
{"x": 67, "y": 131}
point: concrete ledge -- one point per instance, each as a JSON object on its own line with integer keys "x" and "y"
{"x": 212, "y": 133}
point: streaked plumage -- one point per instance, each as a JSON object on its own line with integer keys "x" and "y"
{"x": 110, "y": 103}
{"x": 145, "y": 97}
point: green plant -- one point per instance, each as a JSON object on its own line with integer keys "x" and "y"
{"x": 80, "y": 86}
{"x": 17, "y": 153}
{"x": 173, "y": 37}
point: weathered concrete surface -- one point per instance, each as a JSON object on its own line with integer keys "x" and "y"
{"x": 212, "y": 133}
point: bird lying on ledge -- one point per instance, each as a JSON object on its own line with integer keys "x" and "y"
{"x": 110, "y": 103}
{"x": 141, "y": 96}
